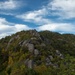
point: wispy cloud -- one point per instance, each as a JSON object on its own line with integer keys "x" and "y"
{"x": 59, "y": 27}
{"x": 9, "y": 5}
{"x": 63, "y": 8}
{"x": 37, "y": 16}
{"x": 7, "y": 28}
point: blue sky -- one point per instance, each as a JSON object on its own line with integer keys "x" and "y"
{"x": 52, "y": 15}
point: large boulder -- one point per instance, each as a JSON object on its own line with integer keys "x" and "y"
{"x": 30, "y": 47}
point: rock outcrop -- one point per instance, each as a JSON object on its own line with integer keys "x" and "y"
{"x": 59, "y": 54}
{"x": 36, "y": 46}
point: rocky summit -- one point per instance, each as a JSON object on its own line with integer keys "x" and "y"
{"x": 37, "y": 53}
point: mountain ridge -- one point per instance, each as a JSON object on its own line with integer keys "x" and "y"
{"x": 32, "y": 51}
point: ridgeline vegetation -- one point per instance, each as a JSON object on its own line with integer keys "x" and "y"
{"x": 37, "y": 53}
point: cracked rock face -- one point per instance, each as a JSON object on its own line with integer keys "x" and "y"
{"x": 11, "y": 40}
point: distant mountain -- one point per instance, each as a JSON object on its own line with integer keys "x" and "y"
{"x": 37, "y": 53}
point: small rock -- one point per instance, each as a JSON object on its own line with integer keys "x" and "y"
{"x": 24, "y": 43}
{"x": 55, "y": 65}
{"x": 51, "y": 57}
{"x": 29, "y": 63}
{"x": 36, "y": 52}
{"x": 48, "y": 62}
{"x": 43, "y": 44}
{"x": 33, "y": 38}
{"x": 59, "y": 54}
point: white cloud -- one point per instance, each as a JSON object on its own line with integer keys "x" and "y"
{"x": 9, "y": 4}
{"x": 37, "y": 16}
{"x": 3, "y": 35}
{"x": 19, "y": 27}
{"x": 64, "y": 8}
{"x": 59, "y": 27}
{"x": 7, "y": 13}
{"x": 7, "y": 28}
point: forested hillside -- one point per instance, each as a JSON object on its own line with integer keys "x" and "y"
{"x": 37, "y": 53}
